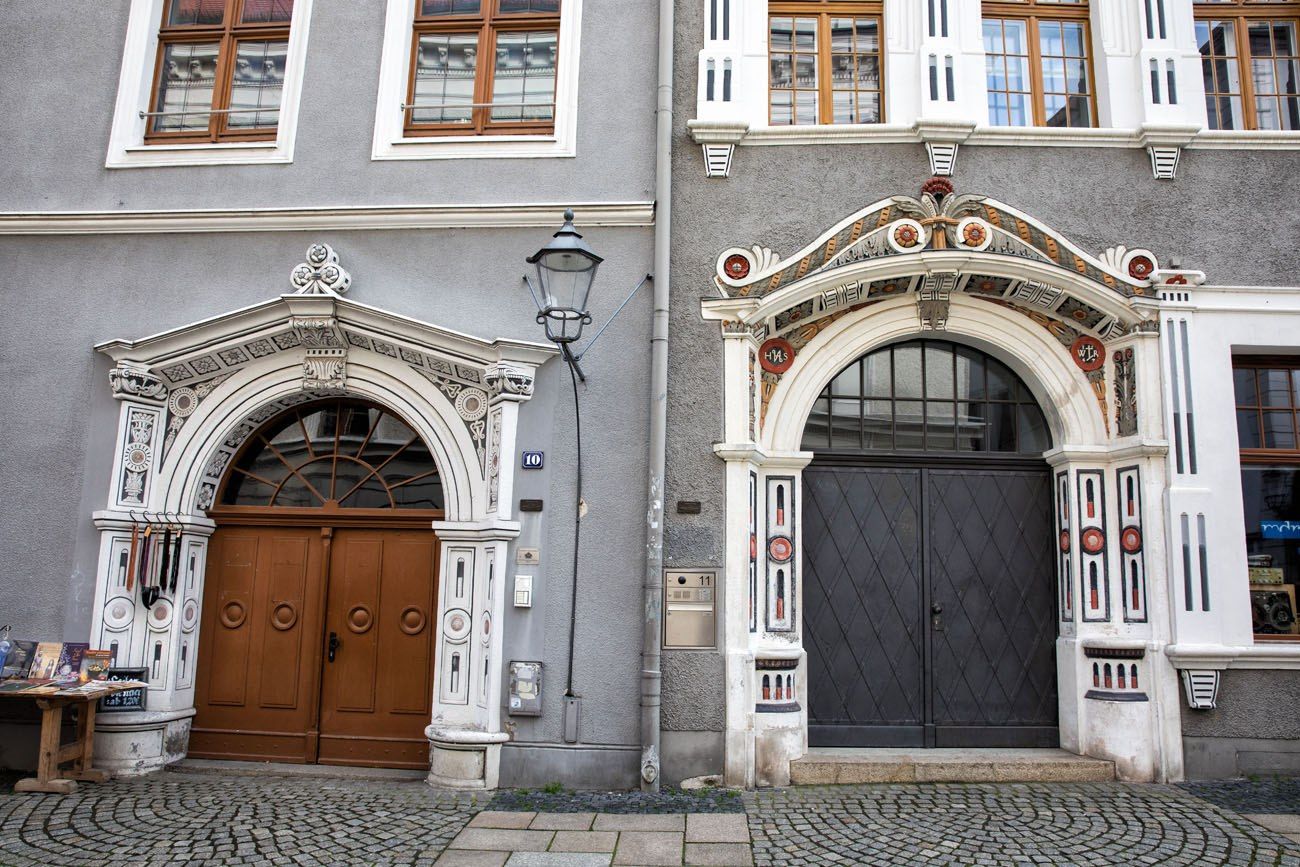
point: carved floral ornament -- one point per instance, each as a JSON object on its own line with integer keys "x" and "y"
{"x": 321, "y": 273}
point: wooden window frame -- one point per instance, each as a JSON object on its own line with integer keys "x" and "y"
{"x": 1032, "y": 12}
{"x": 824, "y": 11}
{"x": 1242, "y": 13}
{"x": 488, "y": 22}
{"x": 228, "y": 35}
{"x": 1264, "y": 455}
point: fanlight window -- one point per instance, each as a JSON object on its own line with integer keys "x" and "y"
{"x": 340, "y": 453}
{"x": 927, "y": 396}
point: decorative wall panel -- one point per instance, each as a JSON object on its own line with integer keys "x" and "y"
{"x": 1095, "y": 598}
{"x": 1064, "y": 545}
{"x": 457, "y": 626}
{"x": 1133, "y": 576}
{"x": 780, "y": 554}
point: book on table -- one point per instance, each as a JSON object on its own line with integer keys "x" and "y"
{"x": 19, "y": 661}
{"x": 45, "y": 661}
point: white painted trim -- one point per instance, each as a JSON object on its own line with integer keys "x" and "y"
{"x": 126, "y": 147}
{"x": 390, "y": 143}
{"x": 1263, "y": 655}
{"x": 504, "y": 216}
{"x": 1213, "y": 139}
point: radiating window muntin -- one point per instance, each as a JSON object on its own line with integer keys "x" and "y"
{"x": 342, "y": 453}
{"x": 1038, "y": 63}
{"x": 220, "y": 70}
{"x": 1250, "y": 62}
{"x": 927, "y": 396}
{"x": 825, "y": 63}
{"x": 452, "y": 92}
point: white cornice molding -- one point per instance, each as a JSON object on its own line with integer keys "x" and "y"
{"x": 1219, "y": 657}
{"x": 188, "y": 220}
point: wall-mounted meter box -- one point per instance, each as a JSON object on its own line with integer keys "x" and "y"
{"x": 525, "y": 688}
{"x": 689, "y": 607}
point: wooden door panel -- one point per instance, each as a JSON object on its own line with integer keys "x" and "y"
{"x": 353, "y": 613}
{"x": 410, "y": 566}
{"x": 227, "y": 632}
{"x": 255, "y": 696}
{"x": 376, "y": 695}
{"x": 282, "y": 635}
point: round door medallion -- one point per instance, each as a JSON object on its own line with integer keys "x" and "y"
{"x": 736, "y": 267}
{"x": 1092, "y": 540}
{"x": 412, "y": 620}
{"x": 284, "y": 616}
{"x": 359, "y": 619}
{"x": 780, "y": 548}
{"x": 233, "y": 615}
{"x": 1065, "y": 541}
{"x": 1131, "y": 540}
{"x": 1088, "y": 353}
{"x": 776, "y": 355}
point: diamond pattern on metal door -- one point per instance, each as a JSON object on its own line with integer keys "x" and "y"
{"x": 863, "y": 622}
{"x": 961, "y": 658}
{"x": 988, "y": 536}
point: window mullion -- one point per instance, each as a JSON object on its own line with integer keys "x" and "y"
{"x": 222, "y": 84}
{"x": 484, "y": 76}
{"x": 1036, "y": 89}
{"x": 1248, "y": 117}
{"x": 824, "y": 83}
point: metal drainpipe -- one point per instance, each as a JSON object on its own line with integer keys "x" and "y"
{"x": 651, "y": 677}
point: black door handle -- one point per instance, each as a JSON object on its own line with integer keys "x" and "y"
{"x": 333, "y": 645}
{"x": 936, "y": 608}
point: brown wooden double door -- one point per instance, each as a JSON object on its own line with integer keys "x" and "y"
{"x": 317, "y": 646}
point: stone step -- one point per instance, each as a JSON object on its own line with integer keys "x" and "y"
{"x": 838, "y": 765}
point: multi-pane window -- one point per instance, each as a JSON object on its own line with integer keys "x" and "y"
{"x": 1250, "y": 62}
{"x": 483, "y": 67}
{"x": 1038, "y": 64}
{"x": 825, "y": 62}
{"x": 1268, "y": 410}
{"x": 927, "y": 395}
{"x": 220, "y": 70}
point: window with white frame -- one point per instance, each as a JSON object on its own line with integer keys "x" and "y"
{"x": 209, "y": 81}
{"x": 478, "y": 78}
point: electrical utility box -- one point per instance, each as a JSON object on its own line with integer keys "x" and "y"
{"x": 525, "y": 688}
{"x": 690, "y": 608}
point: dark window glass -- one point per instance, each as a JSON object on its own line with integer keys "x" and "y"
{"x": 344, "y": 452}
{"x": 917, "y": 396}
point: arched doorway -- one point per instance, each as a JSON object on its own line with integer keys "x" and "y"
{"x": 317, "y": 639}
{"x": 929, "y": 592}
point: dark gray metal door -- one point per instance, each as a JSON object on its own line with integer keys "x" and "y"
{"x": 929, "y": 606}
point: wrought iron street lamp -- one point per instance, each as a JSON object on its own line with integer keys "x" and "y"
{"x": 566, "y": 268}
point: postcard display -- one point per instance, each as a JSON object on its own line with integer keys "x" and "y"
{"x": 148, "y": 590}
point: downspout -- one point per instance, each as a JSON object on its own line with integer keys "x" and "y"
{"x": 651, "y": 676}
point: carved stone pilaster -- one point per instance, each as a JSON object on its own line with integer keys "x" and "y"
{"x": 325, "y": 370}
{"x": 131, "y": 383}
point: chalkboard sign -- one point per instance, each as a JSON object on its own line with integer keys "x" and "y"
{"x": 127, "y": 699}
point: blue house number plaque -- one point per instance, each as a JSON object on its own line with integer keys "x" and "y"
{"x": 533, "y": 460}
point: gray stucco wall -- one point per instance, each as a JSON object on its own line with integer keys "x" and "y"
{"x": 1254, "y": 729}
{"x": 1225, "y": 214}
{"x": 63, "y": 295}
{"x": 56, "y": 127}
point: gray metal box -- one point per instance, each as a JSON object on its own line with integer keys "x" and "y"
{"x": 689, "y": 607}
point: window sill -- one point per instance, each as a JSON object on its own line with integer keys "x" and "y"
{"x": 1266, "y": 654}
{"x": 1285, "y": 140}
{"x": 218, "y": 154}
{"x": 847, "y": 133}
{"x": 473, "y": 147}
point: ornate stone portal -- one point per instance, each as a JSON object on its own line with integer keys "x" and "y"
{"x": 190, "y": 398}
{"x": 988, "y": 275}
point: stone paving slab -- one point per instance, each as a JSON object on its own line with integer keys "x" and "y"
{"x": 503, "y": 840}
{"x": 563, "y": 821}
{"x": 717, "y": 828}
{"x": 649, "y": 848}
{"x": 664, "y": 822}
{"x": 557, "y": 859}
{"x": 584, "y": 841}
{"x": 719, "y": 854}
{"x": 502, "y": 819}
{"x": 471, "y": 858}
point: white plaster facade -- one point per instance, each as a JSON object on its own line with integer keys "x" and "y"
{"x": 1134, "y": 108}
{"x": 172, "y": 452}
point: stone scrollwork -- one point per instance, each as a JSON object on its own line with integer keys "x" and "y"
{"x": 131, "y": 382}
{"x": 501, "y": 379}
{"x": 321, "y": 274}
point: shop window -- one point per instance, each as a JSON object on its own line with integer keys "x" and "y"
{"x": 483, "y": 67}
{"x": 1250, "y": 61}
{"x": 1268, "y": 403}
{"x": 825, "y": 62}
{"x": 1038, "y": 63}
{"x": 927, "y": 396}
{"x": 220, "y": 71}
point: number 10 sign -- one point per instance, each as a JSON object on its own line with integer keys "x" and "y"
{"x": 533, "y": 460}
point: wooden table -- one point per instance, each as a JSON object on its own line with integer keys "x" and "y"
{"x": 53, "y": 752}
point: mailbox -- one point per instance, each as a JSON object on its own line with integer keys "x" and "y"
{"x": 689, "y": 599}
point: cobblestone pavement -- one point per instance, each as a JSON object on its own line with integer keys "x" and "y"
{"x": 1274, "y": 795}
{"x": 1004, "y": 824}
{"x": 170, "y": 818}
